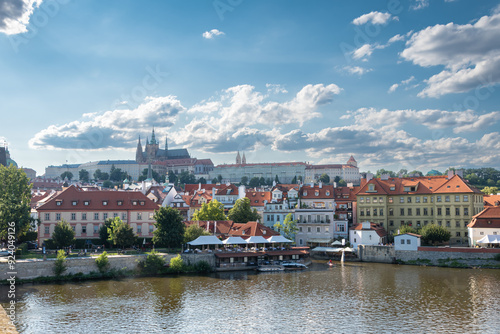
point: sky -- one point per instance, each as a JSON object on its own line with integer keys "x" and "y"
{"x": 396, "y": 84}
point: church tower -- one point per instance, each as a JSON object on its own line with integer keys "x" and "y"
{"x": 244, "y": 159}
{"x": 152, "y": 147}
{"x": 166, "y": 147}
{"x": 138, "y": 153}
{"x": 238, "y": 158}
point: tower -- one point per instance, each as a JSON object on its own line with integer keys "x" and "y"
{"x": 238, "y": 158}
{"x": 138, "y": 153}
{"x": 244, "y": 159}
{"x": 151, "y": 147}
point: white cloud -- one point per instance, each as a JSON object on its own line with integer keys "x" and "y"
{"x": 275, "y": 89}
{"x": 373, "y": 18}
{"x": 396, "y": 38}
{"x": 212, "y": 33}
{"x": 357, "y": 70}
{"x": 470, "y": 54}
{"x": 419, "y": 4}
{"x": 363, "y": 51}
{"x": 111, "y": 129}
{"x": 393, "y": 88}
{"x": 15, "y": 15}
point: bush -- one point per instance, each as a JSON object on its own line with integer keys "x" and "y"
{"x": 22, "y": 249}
{"x": 154, "y": 264}
{"x": 28, "y": 236}
{"x": 202, "y": 267}
{"x": 50, "y": 244}
{"x": 497, "y": 257}
{"x": 102, "y": 262}
{"x": 60, "y": 265}
{"x": 177, "y": 264}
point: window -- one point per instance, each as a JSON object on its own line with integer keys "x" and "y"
{"x": 381, "y": 199}
{"x": 86, "y": 203}
{"x": 84, "y": 229}
{"x": 401, "y": 200}
{"x": 375, "y": 199}
{"x": 447, "y": 198}
{"x": 457, "y": 198}
{"x": 408, "y": 241}
{"x": 371, "y": 188}
{"x": 391, "y": 222}
{"x": 361, "y": 200}
{"x": 46, "y": 230}
{"x": 426, "y": 222}
{"x": 447, "y": 211}
{"x": 74, "y": 203}
{"x": 115, "y": 214}
{"x": 361, "y": 212}
{"x": 73, "y": 216}
{"x": 374, "y": 212}
{"x": 139, "y": 229}
{"x": 96, "y": 216}
{"x": 458, "y": 234}
{"x": 368, "y": 200}
{"x": 151, "y": 216}
{"x": 418, "y": 223}
{"x": 104, "y": 203}
{"x": 409, "y": 199}
{"x": 327, "y": 229}
{"x": 104, "y": 216}
{"x": 309, "y": 230}
{"x": 424, "y": 199}
{"x": 409, "y": 212}
{"x": 426, "y": 211}
{"x": 466, "y": 198}
{"x": 96, "y": 229}
{"x": 381, "y": 212}
{"x": 367, "y": 212}
{"x": 417, "y": 213}
{"x": 47, "y": 216}
{"x": 151, "y": 227}
{"x": 301, "y": 242}
{"x": 401, "y": 212}
{"x": 391, "y": 212}
{"x": 59, "y": 203}
{"x": 390, "y": 199}
{"x": 457, "y": 211}
{"x": 300, "y": 229}
{"x": 439, "y": 213}
{"x": 440, "y": 223}
{"x": 466, "y": 211}
{"x": 417, "y": 199}
{"x": 457, "y": 224}
{"x": 84, "y": 216}
{"x": 139, "y": 215}
{"x": 402, "y": 241}
{"x": 318, "y": 229}
{"x": 119, "y": 203}
{"x": 438, "y": 198}
{"x": 58, "y": 216}
{"x": 73, "y": 227}
{"x": 448, "y": 223}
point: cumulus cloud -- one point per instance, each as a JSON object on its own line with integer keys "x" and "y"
{"x": 111, "y": 129}
{"x": 15, "y": 15}
{"x": 393, "y": 88}
{"x": 357, "y": 70}
{"x": 374, "y": 18}
{"x": 275, "y": 89}
{"x": 363, "y": 51}
{"x": 212, "y": 33}
{"x": 470, "y": 54}
{"x": 419, "y": 4}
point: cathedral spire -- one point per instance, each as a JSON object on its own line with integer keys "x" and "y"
{"x": 153, "y": 138}
{"x": 244, "y": 159}
{"x": 238, "y": 158}
{"x": 166, "y": 143}
{"x": 138, "y": 153}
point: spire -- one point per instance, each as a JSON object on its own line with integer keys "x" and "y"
{"x": 244, "y": 159}
{"x": 238, "y": 158}
{"x": 166, "y": 143}
{"x": 150, "y": 172}
{"x": 138, "y": 152}
{"x": 153, "y": 139}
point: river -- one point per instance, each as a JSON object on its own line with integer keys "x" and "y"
{"x": 353, "y": 298}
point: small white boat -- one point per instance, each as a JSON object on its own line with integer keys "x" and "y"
{"x": 293, "y": 266}
{"x": 270, "y": 267}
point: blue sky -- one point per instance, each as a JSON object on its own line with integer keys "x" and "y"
{"x": 397, "y": 84}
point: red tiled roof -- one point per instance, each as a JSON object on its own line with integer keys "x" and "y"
{"x": 488, "y": 218}
{"x": 257, "y": 198}
{"x": 350, "y": 192}
{"x": 374, "y": 227}
{"x": 230, "y": 189}
{"x": 308, "y": 192}
{"x": 265, "y": 164}
{"x": 491, "y": 200}
{"x": 251, "y": 229}
{"x": 130, "y": 200}
{"x": 223, "y": 226}
{"x": 191, "y": 188}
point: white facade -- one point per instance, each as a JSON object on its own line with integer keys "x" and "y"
{"x": 366, "y": 236}
{"x": 315, "y": 226}
{"x": 285, "y": 171}
{"x": 477, "y": 233}
{"x": 407, "y": 242}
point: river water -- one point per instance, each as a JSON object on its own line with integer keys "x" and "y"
{"x": 353, "y": 298}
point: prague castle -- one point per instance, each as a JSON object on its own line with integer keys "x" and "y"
{"x": 153, "y": 153}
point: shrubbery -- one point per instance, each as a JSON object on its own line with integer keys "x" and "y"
{"x": 59, "y": 264}
{"x": 102, "y": 262}
{"x": 153, "y": 265}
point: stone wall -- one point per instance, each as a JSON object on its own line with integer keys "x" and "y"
{"x": 190, "y": 259}
{"x": 383, "y": 254}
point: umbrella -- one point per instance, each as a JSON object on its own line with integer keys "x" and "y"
{"x": 490, "y": 239}
{"x": 278, "y": 238}
{"x": 234, "y": 241}
{"x": 336, "y": 243}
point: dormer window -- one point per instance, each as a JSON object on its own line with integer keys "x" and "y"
{"x": 393, "y": 188}
{"x": 74, "y": 203}
{"x": 305, "y": 193}
{"x": 328, "y": 193}
{"x": 119, "y": 202}
{"x": 316, "y": 193}
{"x": 141, "y": 202}
{"x": 104, "y": 203}
{"x": 134, "y": 202}
{"x": 59, "y": 202}
{"x": 86, "y": 202}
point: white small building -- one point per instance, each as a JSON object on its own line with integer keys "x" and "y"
{"x": 367, "y": 233}
{"x": 407, "y": 242}
{"x": 487, "y": 222}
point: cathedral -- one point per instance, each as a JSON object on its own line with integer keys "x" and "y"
{"x": 153, "y": 153}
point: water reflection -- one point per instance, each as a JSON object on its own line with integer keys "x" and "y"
{"x": 356, "y": 297}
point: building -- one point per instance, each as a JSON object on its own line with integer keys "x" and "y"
{"x": 258, "y": 200}
{"x": 30, "y": 173}
{"x": 407, "y": 242}
{"x": 152, "y": 152}
{"x": 485, "y": 223}
{"x": 447, "y": 201}
{"x": 345, "y": 204}
{"x": 316, "y": 227}
{"x": 86, "y": 212}
{"x": 228, "y": 194}
{"x": 367, "y": 233}
{"x": 198, "y": 167}
{"x": 348, "y": 172}
{"x": 491, "y": 200}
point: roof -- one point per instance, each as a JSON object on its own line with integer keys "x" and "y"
{"x": 315, "y": 192}
{"x": 488, "y": 218}
{"x": 412, "y": 234}
{"x": 76, "y": 199}
{"x": 117, "y": 162}
{"x": 418, "y": 185}
{"x": 491, "y": 200}
{"x": 264, "y": 164}
{"x": 380, "y": 230}
{"x": 251, "y": 229}
{"x": 257, "y": 198}
{"x": 190, "y": 188}
{"x": 229, "y": 189}
{"x": 346, "y": 194}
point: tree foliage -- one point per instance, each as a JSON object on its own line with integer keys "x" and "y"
{"x": 169, "y": 228}
{"x": 193, "y": 232}
{"x": 186, "y": 177}
{"x": 213, "y": 210}
{"x": 254, "y": 182}
{"x": 172, "y": 177}
{"x": 153, "y": 264}
{"x": 103, "y": 231}
{"x": 242, "y": 212}
{"x": 406, "y": 229}
{"x": 15, "y": 198}
{"x": 83, "y": 175}
{"x": 67, "y": 174}
{"x": 63, "y": 235}
{"x": 60, "y": 263}
{"x": 177, "y": 264}
{"x": 325, "y": 178}
{"x": 117, "y": 175}
{"x": 433, "y": 234}
{"x": 289, "y": 226}
{"x": 98, "y": 175}
{"x": 490, "y": 190}
{"x": 102, "y": 262}
{"x": 121, "y": 234}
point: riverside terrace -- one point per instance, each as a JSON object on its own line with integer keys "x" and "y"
{"x": 229, "y": 259}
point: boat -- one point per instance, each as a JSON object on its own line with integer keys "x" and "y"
{"x": 270, "y": 267}
{"x": 293, "y": 266}
{"x": 330, "y": 263}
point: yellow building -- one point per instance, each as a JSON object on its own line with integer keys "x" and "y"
{"x": 447, "y": 201}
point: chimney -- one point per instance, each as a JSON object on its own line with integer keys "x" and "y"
{"x": 369, "y": 177}
{"x": 459, "y": 172}
{"x": 450, "y": 174}
{"x": 384, "y": 177}
{"x": 320, "y": 184}
{"x": 199, "y": 186}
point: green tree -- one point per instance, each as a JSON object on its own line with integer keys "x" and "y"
{"x": 121, "y": 234}
{"x": 382, "y": 171}
{"x": 219, "y": 178}
{"x": 244, "y": 180}
{"x": 403, "y": 172}
{"x": 102, "y": 262}
{"x": 406, "y": 229}
{"x": 294, "y": 180}
{"x": 172, "y": 177}
{"x": 153, "y": 264}
{"x": 169, "y": 228}
{"x": 416, "y": 173}
{"x": 262, "y": 181}
{"x": 15, "y": 198}
{"x": 83, "y": 175}
{"x": 176, "y": 264}
{"x": 201, "y": 180}
{"x": 213, "y": 210}
{"x": 67, "y": 174}
{"x": 117, "y": 174}
{"x": 325, "y": 178}
{"x": 242, "y": 212}
{"x": 193, "y": 232}
{"x": 60, "y": 263}
{"x": 187, "y": 177}
{"x": 490, "y": 190}
{"x": 342, "y": 183}
{"x": 299, "y": 178}
{"x": 214, "y": 180}
{"x": 473, "y": 179}
{"x": 103, "y": 231}
{"x": 63, "y": 235}
{"x": 154, "y": 174}
{"x": 98, "y": 175}
{"x": 434, "y": 234}
{"x": 107, "y": 184}
{"x": 254, "y": 182}
{"x": 289, "y": 226}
